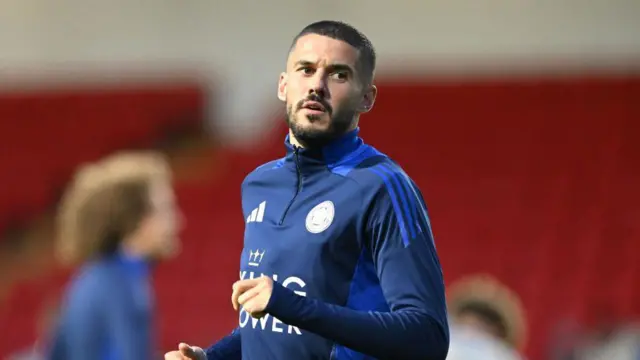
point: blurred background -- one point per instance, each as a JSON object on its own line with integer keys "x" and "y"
{"x": 520, "y": 121}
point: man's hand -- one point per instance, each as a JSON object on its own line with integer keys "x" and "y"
{"x": 186, "y": 352}
{"x": 253, "y": 295}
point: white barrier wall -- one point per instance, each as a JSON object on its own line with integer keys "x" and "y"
{"x": 241, "y": 45}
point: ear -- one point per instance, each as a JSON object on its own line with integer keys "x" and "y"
{"x": 282, "y": 87}
{"x": 368, "y": 99}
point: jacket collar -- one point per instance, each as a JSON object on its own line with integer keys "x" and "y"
{"x": 329, "y": 154}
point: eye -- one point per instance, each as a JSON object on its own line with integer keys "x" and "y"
{"x": 340, "y": 76}
{"x": 306, "y": 70}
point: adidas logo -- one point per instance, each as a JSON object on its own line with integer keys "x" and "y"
{"x": 257, "y": 214}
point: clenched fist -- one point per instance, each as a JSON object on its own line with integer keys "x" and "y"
{"x": 186, "y": 352}
{"x": 253, "y": 295}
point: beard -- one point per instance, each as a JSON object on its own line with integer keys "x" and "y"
{"x": 311, "y": 137}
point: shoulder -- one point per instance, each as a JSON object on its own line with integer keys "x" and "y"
{"x": 392, "y": 197}
{"x": 86, "y": 290}
{"x": 380, "y": 176}
{"x": 263, "y": 169}
{"x": 96, "y": 280}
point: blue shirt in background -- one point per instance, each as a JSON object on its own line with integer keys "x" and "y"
{"x": 107, "y": 313}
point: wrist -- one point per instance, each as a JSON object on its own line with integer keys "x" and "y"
{"x": 281, "y": 301}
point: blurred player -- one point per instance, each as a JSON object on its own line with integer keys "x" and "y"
{"x": 339, "y": 231}
{"x": 487, "y": 320}
{"x": 116, "y": 219}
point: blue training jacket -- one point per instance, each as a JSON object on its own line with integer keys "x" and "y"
{"x": 107, "y": 313}
{"x": 345, "y": 235}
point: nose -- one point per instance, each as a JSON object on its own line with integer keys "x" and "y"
{"x": 318, "y": 85}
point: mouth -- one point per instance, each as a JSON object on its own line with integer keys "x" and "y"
{"x": 314, "y": 107}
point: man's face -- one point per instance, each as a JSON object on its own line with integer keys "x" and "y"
{"x": 159, "y": 231}
{"x": 323, "y": 90}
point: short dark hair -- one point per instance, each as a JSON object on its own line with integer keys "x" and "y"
{"x": 344, "y": 32}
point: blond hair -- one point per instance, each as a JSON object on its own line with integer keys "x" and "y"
{"x": 489, "y": 291}
{"x": 105, "y": 202}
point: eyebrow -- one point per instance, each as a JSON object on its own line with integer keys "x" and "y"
{"x": 334, "y": 67}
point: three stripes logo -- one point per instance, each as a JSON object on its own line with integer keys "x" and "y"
{"x": 257, "y": 214}
{"x": 407, "y": 203}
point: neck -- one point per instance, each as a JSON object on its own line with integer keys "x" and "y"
{"x": 294, "y": 141}
{"x": 131, "y": 249}
{"x": 136, "y": 262}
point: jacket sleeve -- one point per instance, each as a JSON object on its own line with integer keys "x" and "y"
{"x": 227, "y": 348}
{"x": 402, "y": 250}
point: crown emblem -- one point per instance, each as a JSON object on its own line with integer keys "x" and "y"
{"x": 255, "y": 257}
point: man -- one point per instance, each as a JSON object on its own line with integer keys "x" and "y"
{"x": 117, "y": 217}
{"x": 338, "y": 260}
{"x": 487, "y": 320}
